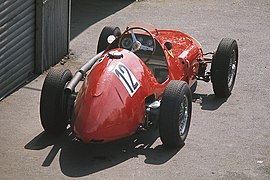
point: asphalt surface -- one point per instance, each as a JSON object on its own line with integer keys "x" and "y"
{"x": 228, "y": 138}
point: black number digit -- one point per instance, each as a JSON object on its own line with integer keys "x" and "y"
{"x": 129, "y": 82}
{"x": 134, "y": 85}
{"x": 119, "y": 74}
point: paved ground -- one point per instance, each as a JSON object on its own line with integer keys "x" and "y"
{"x": 229, "y": 139}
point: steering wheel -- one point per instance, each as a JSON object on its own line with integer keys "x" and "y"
{"x": 137, "y": 45}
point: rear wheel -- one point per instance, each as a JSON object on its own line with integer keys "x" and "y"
{"x": 53, "y": 101}
{"x": 175, "y": 114}
{"x": 104, "y": 38}
{"x": 224, "y": 67}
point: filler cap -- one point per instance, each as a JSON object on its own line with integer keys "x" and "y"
{"x": 115, "y": 55}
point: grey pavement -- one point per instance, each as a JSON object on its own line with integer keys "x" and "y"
{"x": 228, "y": 139}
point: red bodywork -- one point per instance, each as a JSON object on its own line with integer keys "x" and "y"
{"x": 104, "y": 109}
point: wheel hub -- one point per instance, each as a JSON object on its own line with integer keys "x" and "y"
{"x": 232, "y": 69}
{"x": 183, "y": 115}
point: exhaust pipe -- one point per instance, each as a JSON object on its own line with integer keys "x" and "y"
{"x": 80, "y": 74}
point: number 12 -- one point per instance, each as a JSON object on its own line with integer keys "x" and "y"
{"x": 127, "y": 78}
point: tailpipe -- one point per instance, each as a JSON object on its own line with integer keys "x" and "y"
{"x": 80, "y": 74}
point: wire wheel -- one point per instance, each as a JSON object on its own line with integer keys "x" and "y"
{"x": 224, "y": 67}
{"x": 175, "y": 114}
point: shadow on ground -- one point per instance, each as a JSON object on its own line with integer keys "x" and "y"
{"x": 85, "y": 13}
{"x": 78, "y": 159}
{"x": 208, "y": 101}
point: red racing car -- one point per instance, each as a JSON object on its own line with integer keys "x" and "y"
{"x": 139, "y": 78}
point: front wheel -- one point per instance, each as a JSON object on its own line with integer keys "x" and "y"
{"x": 175, "y": 114}
{"x": 53, "y": 101}
{"x": 224, "y": 67}
{"x": 104, "y": 38}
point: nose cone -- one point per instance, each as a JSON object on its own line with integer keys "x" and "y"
{"x": 104, "y": 110}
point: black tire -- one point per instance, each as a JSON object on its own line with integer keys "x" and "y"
{"x": 53, "y": 110}
{"x": 103, "y": 38}
{"x": 224, "y": 67}
{"x": 175, "y": 111}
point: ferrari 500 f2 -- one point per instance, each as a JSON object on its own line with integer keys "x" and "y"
{"x": 141, "y": 77}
